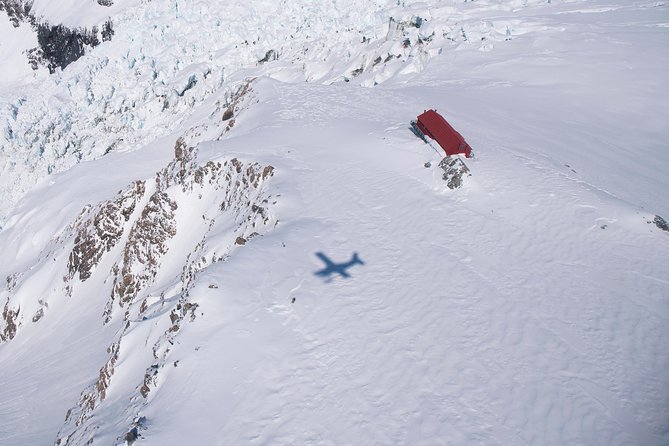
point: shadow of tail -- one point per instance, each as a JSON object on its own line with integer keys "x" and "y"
{"x": 356, "y": 259}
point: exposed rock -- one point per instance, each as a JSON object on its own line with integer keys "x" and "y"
{"x": 232, "y": 103}
{"x": 267, "y": 172}
{"x": 107, "y": 31}
{"x": 147, "y": 242}
{"x": 100, "y": 233}
{"x": 38, "y": 315}
{"x": 269, "y": 56}
{"x": 131, "y": 436}
{"x": 9, "y": 317}
{"x": 88, "y": 401}
{"x": 229, "y": 113}
{"x": 17, "y": 11}
{"x": 661, "y": 223}
{"x": 60, "y": 46}
{"x": 454, "y": 171}
{"x": 140, "y": 230}
{"x": 149, "y": 377}
{"x": 138, "y": 424}
{"x": 11, "y": 281}
{"x": 179, "y": 168}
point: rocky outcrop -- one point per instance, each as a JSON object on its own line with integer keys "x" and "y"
{"x": 233, "y": 103}
{"x": 59, "y": 45}
{"x": 142, "y": 225}
{"x": 455, "y": 170}
{"x": 661, "y": 223}
{"x": 125, "y": 241}
{"x": 100, "y": 232}
{"x": 147, "y": 242}
{"x": 18, "y": 11}
{"x": 9, "y": 317}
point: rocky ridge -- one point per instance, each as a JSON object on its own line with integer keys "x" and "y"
{"x": 123, "y": 244}
{"x": 143, "y": 219}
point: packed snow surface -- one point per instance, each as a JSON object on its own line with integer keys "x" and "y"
{"x": 161, "y": 262}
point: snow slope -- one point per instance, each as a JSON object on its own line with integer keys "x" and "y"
{"x": 13, "y": 42}
{"x": 528, "y": 307}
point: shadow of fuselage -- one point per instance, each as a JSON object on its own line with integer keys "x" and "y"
{"x": 332, "y": 268}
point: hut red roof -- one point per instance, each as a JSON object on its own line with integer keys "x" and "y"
{"x": 434, "y": 125}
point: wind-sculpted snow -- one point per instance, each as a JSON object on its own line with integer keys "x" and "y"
{"x": 150, "y": 296}
{"x": 156, "y": 70}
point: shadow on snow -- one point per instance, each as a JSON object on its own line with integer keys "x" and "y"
{"x": 332, "y": 268}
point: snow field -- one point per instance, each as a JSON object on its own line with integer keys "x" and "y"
{"x": 528, "y": 307}
{"x": 507, "y": 338}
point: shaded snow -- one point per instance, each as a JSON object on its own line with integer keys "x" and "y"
{"x": 13, "y": 44}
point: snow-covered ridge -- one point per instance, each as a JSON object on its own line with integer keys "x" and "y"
{"x": 149, "y": 79}
{"x": 163, "y": 231}
{"x": 133, "y": 259}
{"x": 139, "y": 226}
{"x": 236, "y": 209}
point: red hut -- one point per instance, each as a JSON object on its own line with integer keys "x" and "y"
{"x": 432, "y": 124}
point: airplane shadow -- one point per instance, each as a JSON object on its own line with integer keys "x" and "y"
{"x": 332, "y": 269}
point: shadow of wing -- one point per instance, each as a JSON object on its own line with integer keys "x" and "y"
{"x": 325, "y": 259}
{"x": 342, "y": 272}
